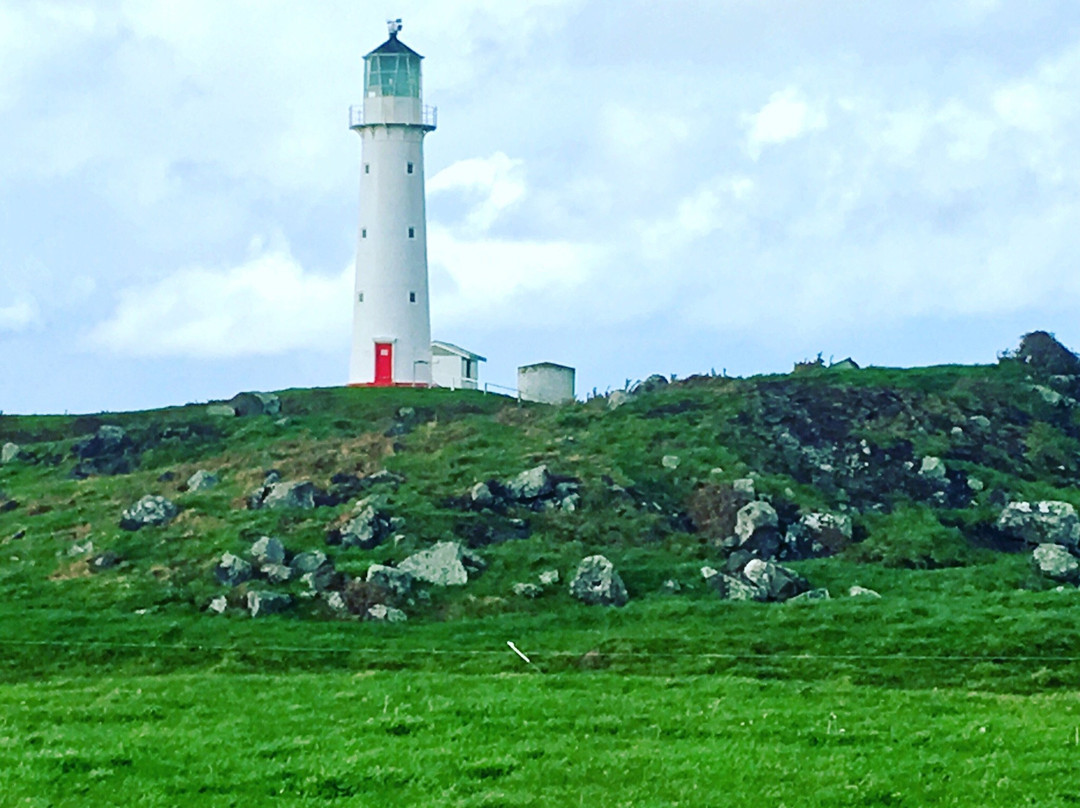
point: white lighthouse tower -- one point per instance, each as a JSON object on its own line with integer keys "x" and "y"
{"x": 391, "y": 316}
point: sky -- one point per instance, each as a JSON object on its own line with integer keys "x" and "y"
{"x": 624, "y": 186}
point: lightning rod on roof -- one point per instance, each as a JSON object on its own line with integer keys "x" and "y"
{"x": 394, "y": 26}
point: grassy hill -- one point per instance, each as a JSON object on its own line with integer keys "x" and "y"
{"x": 101, "y": 660}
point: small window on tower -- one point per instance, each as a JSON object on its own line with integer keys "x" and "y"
{"x": 408, "y": 168}
{"x": 363, "y": 232}
{"x": 360, "y": 298}
{"x": 412, "y": 297}
{"x": 367, "y": 168}
{"x": 412, "y": 232}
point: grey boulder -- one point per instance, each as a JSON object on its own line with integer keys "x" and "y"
{"x": 526, "y": 590}
{"x": 232, "y": 570}
{"x": 267, "y": 550}
{"x": 532, "y": 484}
{"x": 1056, "y": 563}
{"x": 293, "y": 494}
{"x": 10, "y": 453}
{"x": 201, "y": 481}
{"x": 753, "y": 517}
{"x": 397, "y": 582}
{"x": 150, "y": 510}
{"x": 447, "y": 563}
{"x": 1047, "y": 522}
{"x": 262, "y": 603}
{"x": 381, "y": 613}
{"x": 597, "y": 583}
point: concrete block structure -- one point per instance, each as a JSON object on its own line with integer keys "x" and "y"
{"x": 546, "y": 382}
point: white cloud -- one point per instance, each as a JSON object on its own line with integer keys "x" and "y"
{"x": 19, "y": 316}
{"x": 498, "y": 180}
{"x": 786, "y": 116}
{"x": 265, "y": 306}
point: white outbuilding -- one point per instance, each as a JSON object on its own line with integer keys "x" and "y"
{"x": 454, "y": 367}
{"x": 546, "y": 383}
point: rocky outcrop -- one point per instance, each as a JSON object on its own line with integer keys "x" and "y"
{"x": 1056, "y": 563}
{"x": 862, "y": 592}
{"x": 597, "y": 583}
{"x": 447, "y": 563}
{"x": 536, "y": 489}
{"x": 151, "y": 510}
{"x": 108, "y": 451}
{"x": 1047, "y": 522}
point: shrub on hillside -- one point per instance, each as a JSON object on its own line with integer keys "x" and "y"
{"x": 912, "y": 538}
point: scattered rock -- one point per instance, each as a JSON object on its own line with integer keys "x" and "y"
{"x": 811, "y": 595}
{"x": 201, "y": 481}
{"x": 267, "y": 550}
{"x": 446, "y": 563}
{"x": 220, "y": 411}
{"x": 651, "y": 384}
{"x": 1056, "y": 563}
{"x": 336, "y": 602}
{"x": 232, "y": 570}
{"x": 670, "y": 462}
{"x": 276, "y": 573}
{"x": 481, "y": 496}
{"x": 616, "y": 398}
{"x": 105, "y": 561}
{"x": 597, "y": 583}
{"x": 744, "y": 486}
{"x": 773, "y": 581}
{"x": 275, "y": 495}
{"x": 753, "y": 517}
{"x": 309, "y": 561}
{"x": 731, "y": 587}
{"x": 528, "y": 590}
{"x": 10, "y": 453}
{"x": 549, "y": 577}
{"x": 671, "y": 586}
{"x": 708, "y": 573}
{"x": 245, "y": 404}
{"x": 365, "y": 528}
{"x": 150, "y": 510}
{"x": 261, "y": 603}
{"x": 818, "y": 534}
{"x": 933, "y": 469}
{"x": 531, "y": 484}
{"x": 394, "y": 581}
{"x": 862, "y": 592}
{"x": 382, "y": 613}
{"x": 218, "y": 605}
{"x": 1047, "y": 522}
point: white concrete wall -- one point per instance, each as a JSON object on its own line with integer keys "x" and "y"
{"x": 546, "y": 384}
{"x": 389, "y": 264}
{"x": 449, "y": 371}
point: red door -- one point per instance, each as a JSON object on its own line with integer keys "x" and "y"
{"x": 384, "y": 363}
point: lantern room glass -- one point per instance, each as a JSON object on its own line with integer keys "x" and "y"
{"x": 392, "y": 74}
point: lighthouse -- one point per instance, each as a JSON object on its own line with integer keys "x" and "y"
{"x": 391, "y": 344}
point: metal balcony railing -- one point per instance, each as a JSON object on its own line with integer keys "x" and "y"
{"x": 429, "y": 117}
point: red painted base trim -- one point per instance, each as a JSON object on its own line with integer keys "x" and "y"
{"x": 415, "y": 385}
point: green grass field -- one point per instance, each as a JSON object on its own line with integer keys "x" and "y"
{"x": 958, "y": 687}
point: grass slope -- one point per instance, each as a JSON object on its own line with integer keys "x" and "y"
{"x": 117, "y": 688}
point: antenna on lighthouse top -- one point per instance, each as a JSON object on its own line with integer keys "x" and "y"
{"x": 394, "y": 26}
